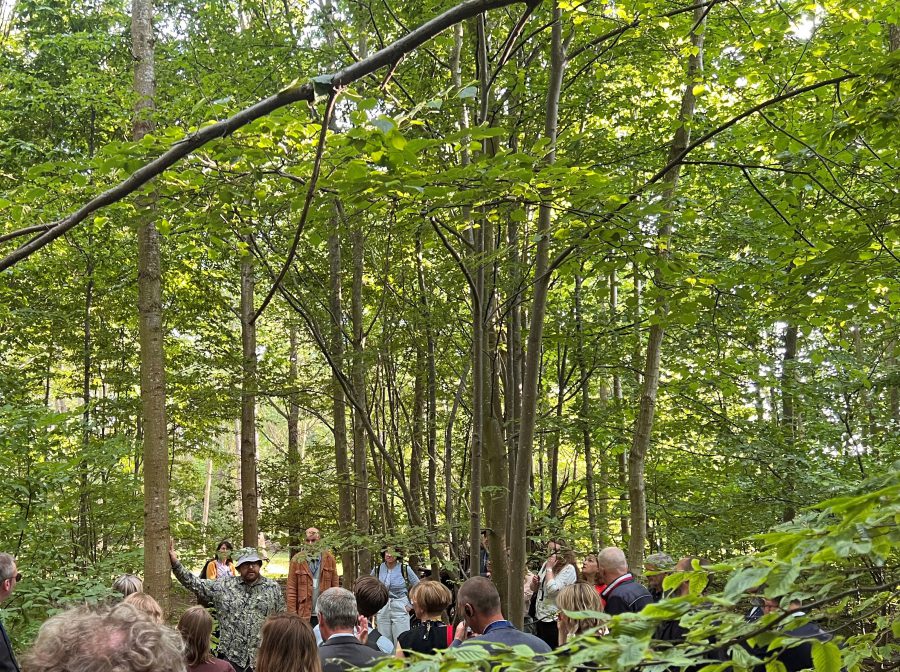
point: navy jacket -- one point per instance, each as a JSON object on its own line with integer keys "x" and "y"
{"x": 8, "y": 661}
{"x": 627, "y": 595}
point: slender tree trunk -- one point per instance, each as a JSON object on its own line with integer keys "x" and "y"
{"x": 788, "y": 419}
{"x": 449, "y": 507}
{"x": 84, "y": 545}
{"x": 338, "y": 407}
{"x": 295, "y": 530}
{"x": 249, "y": 492}
{"x": 476, "y": 237}
{"x": 585, "y": 419}
{"x": 556, "y": 436}
{"x": 150, "y": 326}
{"x": 644, "y": 425}
{"x": 360, "y": 461}
{"x": 418, "y": 412}
{"x": 207, "y": 494}
{"x": 431, "y": 500}
{"x": 893, "y": 388}
{"x": 522, "y": 483}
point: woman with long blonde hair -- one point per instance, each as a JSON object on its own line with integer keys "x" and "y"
{"x": 580, "y": 596}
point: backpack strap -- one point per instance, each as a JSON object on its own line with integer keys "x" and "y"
{"x": 404, "y": 572}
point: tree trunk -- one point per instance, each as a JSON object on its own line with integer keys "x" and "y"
{"x": 249, "y": 493}
{"x": 84, "y": 546}
{"x": 338, "y": 407}
{"x": 360, "y": 461}
{"x": 207, "y": 493}
{"x": 585, "y": 419}
{"x": 788, "y": 420}
{"x": 644, "y": 425}
{"x": 295, "y": 532}
{"x": 556, "y": 436}
{"x": 150, "y": 326}
{"x": 431, "y": 501}
{"x": 532, "y": 362}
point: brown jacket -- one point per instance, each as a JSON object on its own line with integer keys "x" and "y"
{"x": 300, "y": 583}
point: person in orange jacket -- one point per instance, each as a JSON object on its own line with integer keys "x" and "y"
{"x": 220, "y": 566}
{"x": 311, "y": 572}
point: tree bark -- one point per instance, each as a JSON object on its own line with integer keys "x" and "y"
{"x": 338, "y": 407}
{"x": 585, "y": 419}
{"x": 532, "y": 362}
{"x": 644, "y": 425}
{"x": 150, "y": 326}
{"x": 788, "y": 419}
{"x": 295, "y": 531}
{"x": 249, "y": 491}
{"x": 360, "y": 461}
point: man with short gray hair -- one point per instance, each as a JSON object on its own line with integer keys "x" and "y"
{"x": 9, "y": 577}
{"x": 340, "y": 623}
{"x": 622, "y": 592}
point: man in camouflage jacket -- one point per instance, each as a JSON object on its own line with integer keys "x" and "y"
{"x": 242, "y": 604}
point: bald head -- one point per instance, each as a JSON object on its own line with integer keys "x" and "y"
{"x": 312, "y": 535}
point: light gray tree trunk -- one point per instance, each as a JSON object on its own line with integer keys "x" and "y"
{"x": 249, "y": 490}
{"x": 338, "y": 407}
{"x": 157, "y": 569}
{"x": 644, "y": 424}
{"x": 532, "y": 363}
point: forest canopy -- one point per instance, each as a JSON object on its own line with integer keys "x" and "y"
{"x": 616, "y": 273}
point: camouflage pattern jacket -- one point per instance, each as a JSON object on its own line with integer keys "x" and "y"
{"x": 240, "y": 609}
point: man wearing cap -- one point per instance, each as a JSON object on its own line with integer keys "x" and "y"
{"x": 311, "y": 572}
{"x": 242, "y": 602}
{"x": 657, "y": 567}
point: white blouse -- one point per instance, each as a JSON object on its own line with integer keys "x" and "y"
{"x": 545, "y": 608}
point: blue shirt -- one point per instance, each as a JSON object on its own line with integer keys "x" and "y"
{"x": 393, "y": 579}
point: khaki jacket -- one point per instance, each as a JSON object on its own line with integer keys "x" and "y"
{"x": 300, "y": 583}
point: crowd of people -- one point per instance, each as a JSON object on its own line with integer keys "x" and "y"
{"x": 315, "y": 625}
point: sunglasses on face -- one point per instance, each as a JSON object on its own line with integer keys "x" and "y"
{"x": 16, "y": 578}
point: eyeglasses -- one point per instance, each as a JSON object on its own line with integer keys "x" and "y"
{"x": 16, "y": 578}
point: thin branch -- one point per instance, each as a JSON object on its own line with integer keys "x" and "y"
{"x": 37, "y": 228}
{"x": 565, "y": 254}
{"x": 310, "y": 192}
{"x": 775, "y": 208}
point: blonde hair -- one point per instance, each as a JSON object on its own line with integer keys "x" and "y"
{"x": 432, "y": 597}
{"x": 147, "y": 605}
{"x": 580, "y": 596}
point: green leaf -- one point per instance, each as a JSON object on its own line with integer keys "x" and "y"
{"x": 743, "y": 579}
{"x": 826, "y": 657}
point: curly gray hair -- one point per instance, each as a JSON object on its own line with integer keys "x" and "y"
{"x": 115, "y": 638}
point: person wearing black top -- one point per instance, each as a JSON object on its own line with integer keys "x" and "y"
{"x": 429, "y": 600}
